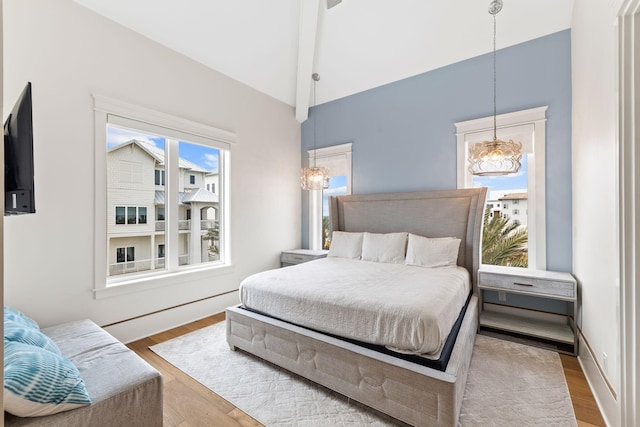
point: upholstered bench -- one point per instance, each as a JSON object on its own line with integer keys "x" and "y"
{"x": 124, "y": 390}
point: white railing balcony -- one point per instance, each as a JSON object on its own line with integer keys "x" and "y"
{"x": 142, "y": 265}
{"x": 183, "y": 224}
{"x": 129, "y": 267}
{"x": 206, "y": 224}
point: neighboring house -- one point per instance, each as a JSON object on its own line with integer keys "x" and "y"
{"x": 495, "y": 208}
{"x": 212, "y": 181}
{"x": 136, "y": 209}
{"x": 514, "y": 208}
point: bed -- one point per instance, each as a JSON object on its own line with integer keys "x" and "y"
{"x": 420, "y": 394}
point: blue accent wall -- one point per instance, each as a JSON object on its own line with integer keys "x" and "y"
{"x": 403, "y": 133}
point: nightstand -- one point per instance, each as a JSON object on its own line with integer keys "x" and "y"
{"x": 298, "y": 256}
{"x": 558, "y": 329}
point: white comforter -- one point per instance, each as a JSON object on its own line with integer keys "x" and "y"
{"x": 406, "y": 308}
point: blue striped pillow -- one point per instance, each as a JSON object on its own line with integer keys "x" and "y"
{"x": 38, "y": 382}
{"x": 11, "y": 314}
{"x": 14, "y": 331}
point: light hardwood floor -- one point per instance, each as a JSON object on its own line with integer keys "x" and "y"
{"x": 187, "y": 403}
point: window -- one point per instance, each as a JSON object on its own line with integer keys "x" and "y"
{"x": 135, "y": 215}
{"x": 132, "y": 215}
{"x": 140, "y": 171}
{"x": 337, "y": 159}
{"x": 525, "y": 188}
{"x": 125, "y": 260}
{"x": 119, "y": 214}
{"x": 159, "y": 177}
{"x": 142, "y": 215}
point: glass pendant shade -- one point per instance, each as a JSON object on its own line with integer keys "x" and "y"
{"x": 314, "y": 178}
{"x": 497, "y": 157}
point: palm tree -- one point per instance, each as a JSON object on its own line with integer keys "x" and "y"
{"x": 326, "y": 232}
{"x": 213, "y": 235}
{"x": 503, "y": 242}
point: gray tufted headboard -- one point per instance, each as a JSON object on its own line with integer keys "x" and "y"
{"x": 442, "y": 213}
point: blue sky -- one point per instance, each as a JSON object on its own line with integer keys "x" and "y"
{"x": 500, "y": 184}
{"x": 337, "y": 187}
{"x": 205, "y": 157}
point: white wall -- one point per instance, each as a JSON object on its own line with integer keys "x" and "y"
{"x": 69, "y": 53}
{"x": 595, "y": 170}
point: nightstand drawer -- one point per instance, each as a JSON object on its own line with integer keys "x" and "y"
{"x": 528, "y": 285}
{"x": 298, "y": 256}
{"x": 290, "y": 258}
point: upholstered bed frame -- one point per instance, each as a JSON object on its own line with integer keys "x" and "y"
{"x": 410, "y": 392}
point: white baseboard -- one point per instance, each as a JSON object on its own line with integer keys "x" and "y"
{"x": 602, "y": 392}
{"x": 151, "y": 324}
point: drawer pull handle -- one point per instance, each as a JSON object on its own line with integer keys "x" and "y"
{"x": 522, "y": 284}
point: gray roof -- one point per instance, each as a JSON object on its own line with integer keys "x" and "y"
{"x": 158, "y": 155}
{"x": 198, "y": 195}
{"x": 514, "y": 196}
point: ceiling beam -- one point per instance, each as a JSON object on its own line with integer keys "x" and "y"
{"x": 309, "y": 13}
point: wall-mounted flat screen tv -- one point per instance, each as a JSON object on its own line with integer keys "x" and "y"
{"x": 18, "y": 157}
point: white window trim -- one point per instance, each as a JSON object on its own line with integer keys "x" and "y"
{"x": 536, "y": 119}
{"x": 112, "y": 111}
{"x": 341, "y": 153}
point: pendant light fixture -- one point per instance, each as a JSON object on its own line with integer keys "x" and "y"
{"x": 496, "y": 157}
{"x": 314, "y": 177}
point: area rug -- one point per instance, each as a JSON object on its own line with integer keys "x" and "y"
{"x": 509, "y": 384}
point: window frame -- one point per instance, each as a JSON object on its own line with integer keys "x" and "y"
{"x": 121, "y": 219}
{"x": 122, "y": 114}
{"x": 532, "y": 123}
{"x": 335, "y": 156}
{"x": 137, "y": 211}
{"x": 158, "y": 177}
{"x": 140, "y": 215}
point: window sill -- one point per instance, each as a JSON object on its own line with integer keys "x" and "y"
{"x": 155, "y": 281}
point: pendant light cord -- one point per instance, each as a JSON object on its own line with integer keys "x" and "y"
{"x": 315, "y": 82}
{"x": 494, "y": 8}
{"x": 494, "y": 79}
{"x": 315, "y": 77}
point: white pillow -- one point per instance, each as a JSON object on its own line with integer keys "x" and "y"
{"x": 432, "y": 252}
{"x": 389, "y": 247}
{"x": 346, "y": 245}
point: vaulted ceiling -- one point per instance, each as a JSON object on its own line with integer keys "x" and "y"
{"x": 275, "y": 45}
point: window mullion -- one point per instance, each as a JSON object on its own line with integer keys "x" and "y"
{"x": 315, "y": 219}
{"x": 171, "y": 204}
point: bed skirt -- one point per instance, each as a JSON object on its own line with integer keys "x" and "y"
{"x": 412, "y": 393}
